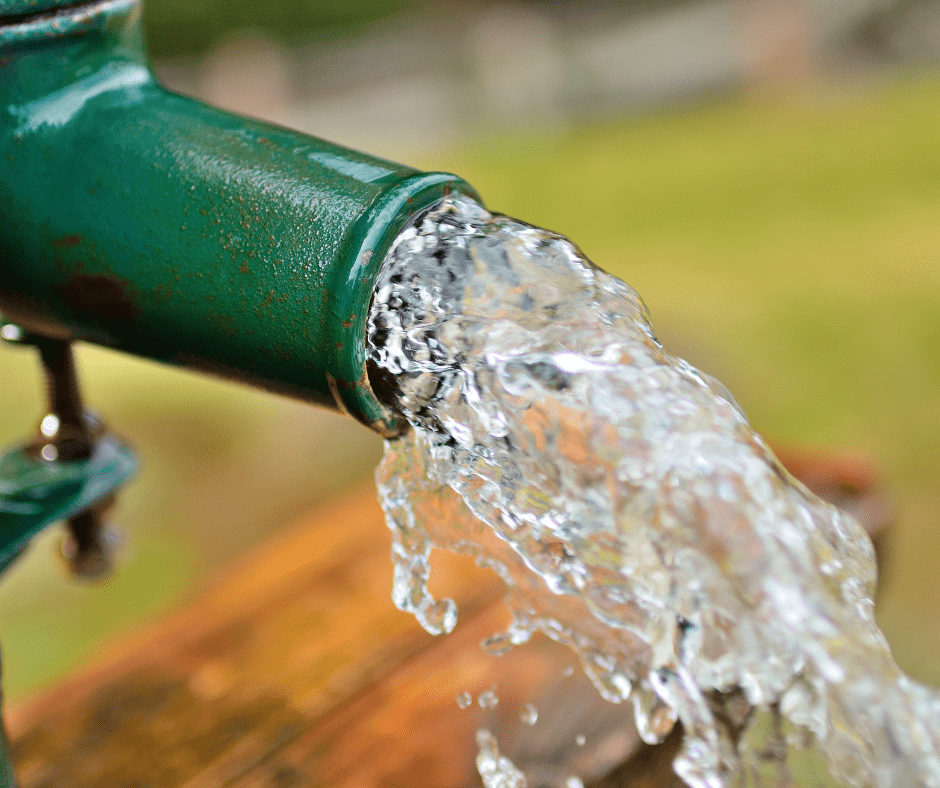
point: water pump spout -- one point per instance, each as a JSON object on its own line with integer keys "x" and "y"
{"x": 145, "y": 221}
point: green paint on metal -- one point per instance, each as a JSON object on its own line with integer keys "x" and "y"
{"x": 152, "y": 223}
{"x": 35, "y": 493}
{"x": 18, "y": 7}
{"x": 26, "y": 20}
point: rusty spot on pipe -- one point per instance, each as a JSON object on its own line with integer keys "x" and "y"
{"x": 106, "y": 297}
{"x": 66, "y": 241}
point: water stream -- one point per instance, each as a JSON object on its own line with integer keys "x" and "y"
{"x": 632, "y": 512}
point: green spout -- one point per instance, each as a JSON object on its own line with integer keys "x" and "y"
{"x": 148, "y": 222}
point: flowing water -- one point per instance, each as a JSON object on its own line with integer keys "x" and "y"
{"x": 632, "y": 512}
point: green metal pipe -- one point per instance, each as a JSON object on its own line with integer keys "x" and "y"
{"x": 10, "y": 8}
{"x": 145, "y": 221}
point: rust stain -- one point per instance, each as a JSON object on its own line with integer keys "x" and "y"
{"x": 104, "y": 296}
{"x": 66, "y": 241}
{"x": 244, "y": 269}
{"x": 346, "y": 385}
{"x": 162, "y": 293}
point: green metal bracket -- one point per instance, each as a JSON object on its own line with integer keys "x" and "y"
{"x": 69, "y": 472}
{"x": 35, "y": 493}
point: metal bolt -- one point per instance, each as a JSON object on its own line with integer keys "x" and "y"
{"x": 67, "y": 433}
{"x": 65, "y": 426}
{"x": 88, "y": 545}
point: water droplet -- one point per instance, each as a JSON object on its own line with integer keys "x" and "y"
{"x": 464, "y": 699}
{"x": 568, "y": 672}
{"x": 580, "y": 739}
{"x": 497, "y": 645}
{"x": 529, "y": 714}
{"x": 489, "y": 699}
{"x": 574, "y": 782}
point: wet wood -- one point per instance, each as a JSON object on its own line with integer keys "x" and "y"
{"x": 219, "y": 689}
{"x": 294, "y": 669}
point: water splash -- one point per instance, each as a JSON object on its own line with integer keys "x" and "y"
{"x": 631, "y": 510}
{"x": 496, "y": 770}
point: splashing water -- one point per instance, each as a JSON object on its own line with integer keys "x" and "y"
{"x": 496, "y": 770}
{"x": 631, "y": 511}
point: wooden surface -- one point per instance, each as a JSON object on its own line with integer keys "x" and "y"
{"x": 294, "y": 669}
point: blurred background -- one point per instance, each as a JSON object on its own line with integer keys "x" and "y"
{"x": 765, "y": 172}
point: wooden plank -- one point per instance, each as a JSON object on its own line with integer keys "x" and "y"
{"x": 206, "y": 695}
{"x": 407, "y": 729}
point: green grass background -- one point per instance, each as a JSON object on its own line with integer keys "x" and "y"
{"x": 790, "y": 245}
